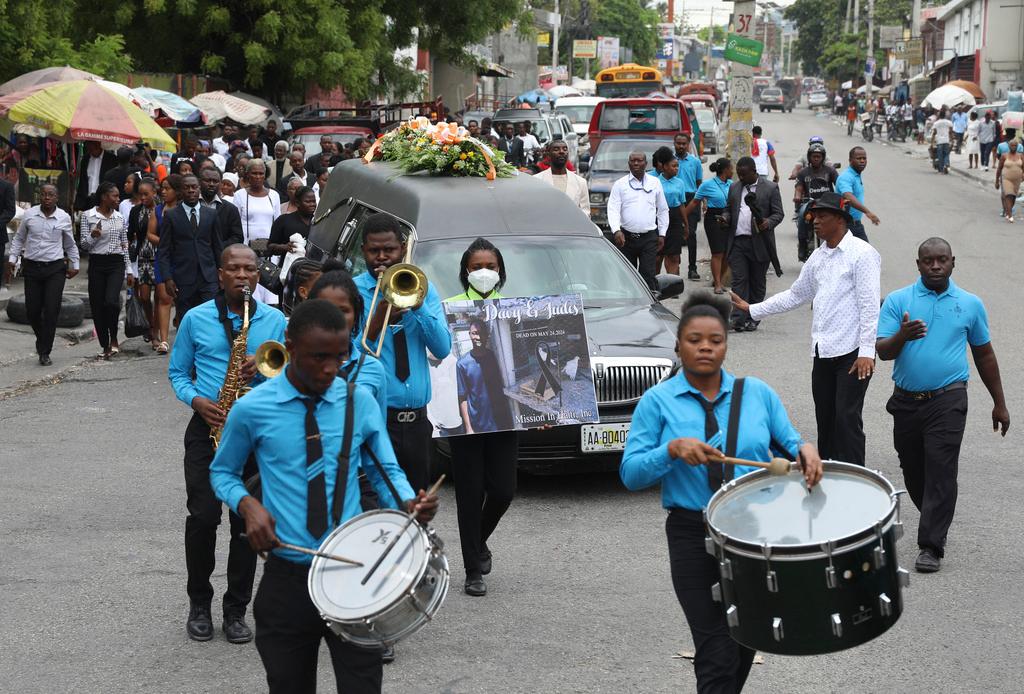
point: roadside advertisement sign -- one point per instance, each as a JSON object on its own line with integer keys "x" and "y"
{"x": 608, "y": 51}
{"x": 543, "y": 39}
{"x": 889, "y": 35}
{"x": 740, "y": 49}
{"x": 584, "y": 49}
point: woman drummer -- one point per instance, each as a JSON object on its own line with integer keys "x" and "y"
{"x": 679, "y": 429}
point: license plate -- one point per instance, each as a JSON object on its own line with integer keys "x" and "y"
{"x": 601, "y": 438}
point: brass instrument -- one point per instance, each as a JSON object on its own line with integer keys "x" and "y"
{"x": 271, "y": 358}
{"x": 233, "y": 388}
{"x": 404, "y": 286}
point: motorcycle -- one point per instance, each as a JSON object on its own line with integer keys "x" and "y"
{"x": 806, "y": 239}
{"x": 867, "y": 130}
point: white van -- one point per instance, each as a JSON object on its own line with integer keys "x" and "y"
{"x": 579, "y": 109}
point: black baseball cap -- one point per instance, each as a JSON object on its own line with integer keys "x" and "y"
{"x": 833, "y": 202}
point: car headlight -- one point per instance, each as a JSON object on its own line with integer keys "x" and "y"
{"x": 597, "y": 198}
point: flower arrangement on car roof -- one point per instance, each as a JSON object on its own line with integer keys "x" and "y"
{"x": 443, "y": 149}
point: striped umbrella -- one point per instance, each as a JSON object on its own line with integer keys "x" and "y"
{"x": 83, "y": 110}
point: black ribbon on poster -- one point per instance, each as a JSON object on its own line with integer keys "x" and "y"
{"x": 548, "y": 369}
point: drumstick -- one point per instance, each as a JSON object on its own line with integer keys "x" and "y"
{"x": 778, "y": 466}
{"x": 310, "y": 552}
{"x": 394, "y": 541}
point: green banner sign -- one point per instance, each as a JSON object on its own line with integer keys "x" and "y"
{"x": 740, "y": 49}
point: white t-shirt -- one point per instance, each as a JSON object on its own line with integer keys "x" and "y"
{"x": 941, "y": 129}
{"x": 761, "y": 158}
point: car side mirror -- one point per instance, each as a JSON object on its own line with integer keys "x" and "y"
{"x": 584, "y": 166}
{"x": 669, "y": 286}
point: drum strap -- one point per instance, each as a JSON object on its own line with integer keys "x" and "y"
{"x": 734, "y": 426}
{"x": 383, "y": 474}
{"x": 341, "y": 483}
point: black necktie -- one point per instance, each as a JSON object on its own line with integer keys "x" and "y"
{"x": 195, "y": 221}
{"x": 316, "y": 498}
{"x": 401, "y": 356}
{"x": 715, "y": 472}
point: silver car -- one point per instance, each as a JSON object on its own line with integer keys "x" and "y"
{"x": 818, "y": 99}
{"x": 709, "y": 128}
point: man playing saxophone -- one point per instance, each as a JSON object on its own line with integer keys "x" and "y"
{"x": 207, "y": 372}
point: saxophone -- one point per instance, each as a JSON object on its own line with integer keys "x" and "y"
{"x": 233, "y": 388}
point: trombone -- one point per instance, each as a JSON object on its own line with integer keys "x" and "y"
{"x": 402, "y": 285}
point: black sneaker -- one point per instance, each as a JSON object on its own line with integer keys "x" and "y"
{"x": 236, "y": 630}
{"x": 928, "y": 562}
{"x": 199, "y": 625}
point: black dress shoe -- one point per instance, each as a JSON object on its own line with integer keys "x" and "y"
{"x": 693, "y": 275}
{"x": 475, "y": 586}
{"x": 236, "y": 630}
{"x": 738, "y": 326}
{"x": 485, "y": 561}
{"x": 928, "y": 562}
{"x": 200, "y": 624}
{"x": 750, "y": 326}
{"x": 388, "y": 654}
{"x": 44, "y": 360}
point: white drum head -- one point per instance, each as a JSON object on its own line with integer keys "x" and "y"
{"x": 778, "y": 510}
{"x": 336, "y": 588}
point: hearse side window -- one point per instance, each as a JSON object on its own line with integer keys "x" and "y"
{"x": 351, "y": 244}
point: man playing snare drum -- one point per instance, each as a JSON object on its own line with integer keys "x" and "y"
{"x": 295, "y": 425}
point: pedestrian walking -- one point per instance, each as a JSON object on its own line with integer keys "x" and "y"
{"x": 667, "y": 166}
{"x": 959, "y": 120}
{"x": 714, "y": 194}
{"x": 638, "y": 217}
{"x": 1009, "y": 173}
{"x": 986, "y": 138}
{"x": 691, "y": 175}
{"x": 279, "y": 168}
{"x": 189, "y": 250}
{"x": 763, "y": 153}
{"x": 258, "y": 207}
{"x": 143, "y": 240}
{"x": 93, "y": 165}
{"x": 197, "y": 370}
{"x": 942, "y": 138}
{"x": 755, "y": 209}
{"x": 560, "y": 177}
{"x": 850, "y": 185}
{"x": 926, "y": 328}
{"x": 842, "y": 279}
{"x": 288, "y": 225}
{"x": 229, "y": 221}
{"x": 973, "y": 147}
{"x": 8, "y": 208}
{"x": 46, "y": 238}
{"x": 104, "y": 235}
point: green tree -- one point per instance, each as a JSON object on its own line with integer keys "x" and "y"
{"x": 820, "y": 23}
{"x": 632, "y": 21}
{"x": 717, "y": 38}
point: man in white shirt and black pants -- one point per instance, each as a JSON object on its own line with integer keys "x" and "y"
{"x": 842, "y": 278}
{"x": 638, "y": 217}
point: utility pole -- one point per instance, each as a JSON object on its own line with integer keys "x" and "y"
{"x": 855, "y": 23}
{"x": 671, "y": 19}
{"x": 707, "y": 51}
{"x": 741, "y": 103}
{"x": 846, "y": 23}
{"x": 915, "y": 20}
{"x": 871, "y": 46}
{"x": 554, "y": 44}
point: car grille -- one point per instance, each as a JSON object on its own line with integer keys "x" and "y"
{"x": 618, "y": 384}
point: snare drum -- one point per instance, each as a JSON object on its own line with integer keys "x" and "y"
{"x": 803, "y": 573}
{"x": 402, "y": 595}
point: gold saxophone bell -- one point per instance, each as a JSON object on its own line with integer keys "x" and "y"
{"x": 271, "y": 358}
{"x": 402, "y": 286}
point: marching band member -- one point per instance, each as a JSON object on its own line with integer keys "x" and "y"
{"x": 203, "y": 348}
{"x": 679, "y": 428}
{"x": 295, "y": 425}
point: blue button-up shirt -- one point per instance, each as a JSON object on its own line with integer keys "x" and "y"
{"x": 675, "y": 190}
{"x": 371, "y": 376}
{"x": 850, "y": 182}
{"x": 270, "y": 423}
{"x": 425, "y": 328}
{"x": 954, "y": 319}
{"x": 691, "y": 172}
{"x": 715, "y": 191}
{"x": 669, "y": 411}
{"x": 202, "y": 346}
{"x": 959, "y": 122}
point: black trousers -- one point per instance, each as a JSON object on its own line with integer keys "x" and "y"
{"x": 44, "y": 288}
{"x": 484, "y": 467}
{"x": 106, "y": 275}
{"x": 204, "y": 514}
{"x": 641, "y": 250}
{"x": 838, "y": 402}
{"x": 190, "y": 297}
{"x": 288, "y": 633}
{"x": 693, "y": 223}
{"x": 412, "y": 442}
{"x": 927, "y": 435}
{"x": 749, "y": 275}
{"x": 856, "y": 227}
{"x": 720, "y": 664}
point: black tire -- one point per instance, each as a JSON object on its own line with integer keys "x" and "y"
{"x": 72, "y": 311}
{"x": 84, "y": 297}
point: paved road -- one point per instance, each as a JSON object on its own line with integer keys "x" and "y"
{"x": 580, "y": 599}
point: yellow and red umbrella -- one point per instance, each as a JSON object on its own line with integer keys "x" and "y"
{"x": 83, "y": 110}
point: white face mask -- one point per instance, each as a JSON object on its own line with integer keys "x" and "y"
{"x": 484, "y": 280}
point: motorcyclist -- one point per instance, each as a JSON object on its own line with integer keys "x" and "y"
{"x": 802, "y": 162}
{"x": 819, "y": 176}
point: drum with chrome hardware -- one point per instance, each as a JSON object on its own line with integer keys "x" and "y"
{"x": 807, "y": 573}
{"x": 403, "y": 592}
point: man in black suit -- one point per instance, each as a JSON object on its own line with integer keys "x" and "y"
{"x": 511, "y": 145}
{"x": 119, "y": 174}
{"x": 750, "y": 245}
{"x": 91, "y": 168}
{"x": 8, "y": 208}
{"x": 190, "y": 244}
{"x": 229, "y": 221}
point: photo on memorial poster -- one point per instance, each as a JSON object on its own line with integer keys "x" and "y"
{"x": 515, "y": 363}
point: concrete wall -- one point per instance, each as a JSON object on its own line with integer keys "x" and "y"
{"x": 454, "y": 84}
{"x": 1002, "y": 58}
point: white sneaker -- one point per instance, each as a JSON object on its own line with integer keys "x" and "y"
{"x": 986, "y": 168}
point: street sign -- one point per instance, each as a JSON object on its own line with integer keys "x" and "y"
{"x": 740, "y": 49}
{"x": 543, "y": 39}
{"x": 889, "y": 35}
{"x": 869, "y": 68}
{"x": 914, "y": 52}
{"x": 666, "y": 49}
{"x": 666, "y": 30}
{"x": 899, "y": 66}
{"x": 584, "y": 49}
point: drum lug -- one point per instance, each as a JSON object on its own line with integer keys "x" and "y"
{"x": 771, "y": 579}
{"x": 716, "y": 592}
{"x": 773, "y": 582}
{"x": 777, "y": 628}
{"x": 732, "y": 617}
{"x": 903, "y": 577}
{"x": 710, "y": 546}
{"x": 884, "y": 605}
{"x": 725, "y": 568}
{"x": 837, "y": 625}
{"x": 879, "y": 557}
{"x": 897, "y": 529}
{"x": 831, "y": 579}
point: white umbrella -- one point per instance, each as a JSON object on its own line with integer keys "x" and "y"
{"x": 949, "y": 96}
{"x": 564, "y": 90}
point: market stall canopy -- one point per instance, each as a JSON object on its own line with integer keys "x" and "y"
{"x": 949, "y": 95}
{"x": 970, "y": 87}
{"x": 45, "y": 76}
{"x": 564, "y": 90}
{"x": 534, "y": 96}
{"x": 220, "y": 105}
{"x": 275, "y": 112}
{"x": 83, "y": 110}
{"x": 876, "y": 91}
{"x": 173, "y": 106}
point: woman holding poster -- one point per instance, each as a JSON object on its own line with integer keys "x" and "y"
{"x": 484, "y": 459}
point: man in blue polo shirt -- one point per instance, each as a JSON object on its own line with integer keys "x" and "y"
{"x": 691, "y": 174}
{"x": 925, "y": 328}
{"x": 851, "y": 186}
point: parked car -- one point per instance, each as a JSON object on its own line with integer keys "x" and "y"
{"x": 707, "y": 119}
{"x": 549, "y": 247}
{"x": 544, "y": 126}
{"x": 610, "y": 162}
{"x": 648, "y": 117}
{"x": 579, "y": 110}
{"x": 772, "y": 99}
{"x": 818, "y": 99}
